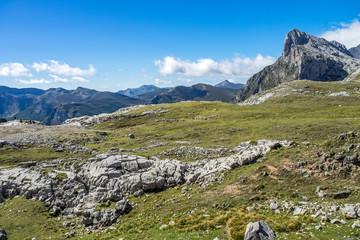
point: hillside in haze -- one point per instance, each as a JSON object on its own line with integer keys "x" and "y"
{"x": 55, "y": 105}
{"x": 198, "y": 92}
{"x": 131, "y": 92}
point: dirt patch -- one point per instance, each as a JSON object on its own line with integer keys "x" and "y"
{"x": 272, "y": 168}
{"x": 255, "y": 176}
{"x": 233, "y": 189}
{"x": 286, "y": 163}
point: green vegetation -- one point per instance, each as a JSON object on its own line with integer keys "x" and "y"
{"x": 12, "y": 157}
{"x": 61, "y": 176}
{"x": 310, "y": 117}
{"x": 27, "y": 219}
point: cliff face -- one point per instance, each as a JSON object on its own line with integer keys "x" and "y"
{"x": 304, "y": 57}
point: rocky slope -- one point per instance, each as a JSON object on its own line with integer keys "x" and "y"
{"x": 76, "y": 189}
{"x": 355, "y": 51}
{"x": 304, "y": 57}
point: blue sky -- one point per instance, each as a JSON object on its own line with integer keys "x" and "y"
{"x": 113, "y": 45}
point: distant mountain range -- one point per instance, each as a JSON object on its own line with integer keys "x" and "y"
{"x": 131, "y": 92}
{"x": 55, "y": 105}
{"x": 305, "y": 57}
{"x": 198, "y": 92}
{"x": 230, "y": 85}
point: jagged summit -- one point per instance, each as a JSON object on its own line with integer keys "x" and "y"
{"x": 304, "y": 57}
{"x": 296, "y": 39}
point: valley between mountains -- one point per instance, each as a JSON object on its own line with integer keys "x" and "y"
{"x": 194, "y": 162}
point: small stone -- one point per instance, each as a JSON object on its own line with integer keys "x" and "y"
{"x": 171, "y": 223}
{"x": 356, "y": 224}
{"x": 319, "y": 227}
{"x": 163, "y": 227}
{"x": 273, "y": 206}
{"x": 69, "y": 234}
{"x": 299, "y": 211}
{"x": 335, "y": 221}
{"x": 250, "y": 209}
{"x": 318, "y": 213}
{"x": 325, "y": 219}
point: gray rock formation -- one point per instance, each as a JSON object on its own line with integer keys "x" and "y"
{"x": 304, "y": 57}
{"x": 88, "y": 121}
{"x": 355, "y": 51}
{"x": 259, "y": 231}
{"x": 105, "y": 178}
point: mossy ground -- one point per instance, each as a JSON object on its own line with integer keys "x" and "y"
{"x": 13, "y": 156}
{"x": 312, "y": 121}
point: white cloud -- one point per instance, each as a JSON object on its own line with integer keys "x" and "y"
{"x": 159, "y": 81}
{"x": 14, "y": 70}
{"x": 32, "y": 81}
{"x": 239, "y": 67}
{"x": 79, "y": 79}
{"x": 56, "y": 67}
{"x": 347, "y": 34}
{"x": 187, "y": 80}
{"x": 145, "y": 76}
{"x": 67, "y": 80}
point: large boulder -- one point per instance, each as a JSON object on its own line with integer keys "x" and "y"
{"x": 2, "y": 234}
{"x": 259, "y": 231}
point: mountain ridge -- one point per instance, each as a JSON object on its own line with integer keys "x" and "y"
{"x": 132, "y": 92}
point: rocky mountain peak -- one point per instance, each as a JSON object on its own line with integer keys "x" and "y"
{"x": 298, "y": 43}
{"x": 294, "y": 37}
{"x": 304, "y": 57}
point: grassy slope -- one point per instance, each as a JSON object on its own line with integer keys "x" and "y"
{"x": 313, "y": 118}
{"x": 220, "y": 210}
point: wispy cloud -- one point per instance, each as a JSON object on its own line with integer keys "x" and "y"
{"x": 237, "y": 67}
{"x": 33, "y": 81}
{"x": 160, "y": 81}
{"x": 14, "y": 70}
{"x": 79, "y": 79}
{"x": 187, "y": 80}
{"x": 62, "y": 68}
{"x": 347, "y": 34}
{"x": 67, "y": 80}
